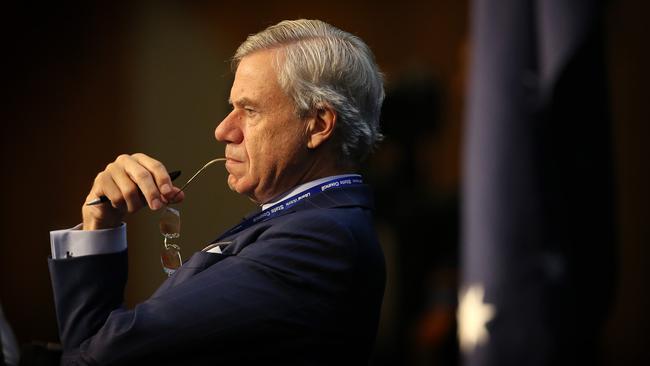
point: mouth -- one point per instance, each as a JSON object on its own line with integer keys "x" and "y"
{"x": 231, "y": 164}
{"x": 231, "y": 160}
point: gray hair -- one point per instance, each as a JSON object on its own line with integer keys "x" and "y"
{"x": 322, "y": 65}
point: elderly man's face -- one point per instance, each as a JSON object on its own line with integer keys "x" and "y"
{"x": 266, "y": 141}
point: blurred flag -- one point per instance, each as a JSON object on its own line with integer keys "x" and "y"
{"x": 538, "y": 238}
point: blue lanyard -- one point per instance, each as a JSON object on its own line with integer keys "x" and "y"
{"x": 290, "y": 201}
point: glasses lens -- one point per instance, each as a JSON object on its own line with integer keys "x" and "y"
{"x": 170, "y": 223}
{"x": 170, "y": 228}
{"x": 170, "y": 258}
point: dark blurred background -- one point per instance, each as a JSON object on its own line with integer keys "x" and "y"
{"x": 86, "y": 81}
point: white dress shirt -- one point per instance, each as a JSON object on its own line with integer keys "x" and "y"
{"x": 75, "y": 242}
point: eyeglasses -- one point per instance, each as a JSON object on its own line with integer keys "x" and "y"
{"x": 170, "y": 228}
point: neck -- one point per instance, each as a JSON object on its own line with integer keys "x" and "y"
{"x": 317, "y": 173}
{"x": 314, "y": 169}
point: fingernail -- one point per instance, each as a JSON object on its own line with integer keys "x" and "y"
{"x": 177, "y": 197}
{"x": 156, "y": 204}
{"x": 165, "y": 189}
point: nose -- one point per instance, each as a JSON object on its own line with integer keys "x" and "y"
{"x": 228, "y": 130}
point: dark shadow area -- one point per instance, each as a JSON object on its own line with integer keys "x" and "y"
{"x": 419, "y": 222}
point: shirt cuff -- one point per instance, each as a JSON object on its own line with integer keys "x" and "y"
{"x": 75, "y": 242}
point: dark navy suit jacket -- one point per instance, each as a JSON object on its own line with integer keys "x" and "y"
{"x": 303, "y": 288}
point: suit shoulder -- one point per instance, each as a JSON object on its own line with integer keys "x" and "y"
{"x": 338, "y": 220}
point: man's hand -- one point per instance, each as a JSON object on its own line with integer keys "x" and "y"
{"x": 130, "y": 183}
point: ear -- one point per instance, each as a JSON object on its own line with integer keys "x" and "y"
{"x": 321, "y": 126}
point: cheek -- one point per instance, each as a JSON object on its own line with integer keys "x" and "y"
{"x": 262, "y": 147}
{"x": 272, "y": 149}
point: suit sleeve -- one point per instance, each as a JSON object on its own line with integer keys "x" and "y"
{"x": 86, "y": 291}
{"x": 289, "y": 281}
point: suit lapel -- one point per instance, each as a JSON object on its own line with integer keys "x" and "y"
{"x": 197, "y": 263}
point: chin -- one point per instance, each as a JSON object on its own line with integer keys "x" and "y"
{"x": 239, "y": 186}
{"x": 232, "y": 183}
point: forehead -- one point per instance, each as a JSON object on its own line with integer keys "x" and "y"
{"x": 256, "y": 77}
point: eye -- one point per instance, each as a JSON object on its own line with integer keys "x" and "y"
{"x": 250, "y": 111}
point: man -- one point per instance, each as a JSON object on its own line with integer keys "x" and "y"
{"x": 300, "y": 282}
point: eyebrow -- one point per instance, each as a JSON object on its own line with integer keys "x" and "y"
{"x": 243, "y": 101}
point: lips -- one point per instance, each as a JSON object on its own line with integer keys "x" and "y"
{"x": 232, "y": 164}
{"x": 232, "y": 160}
